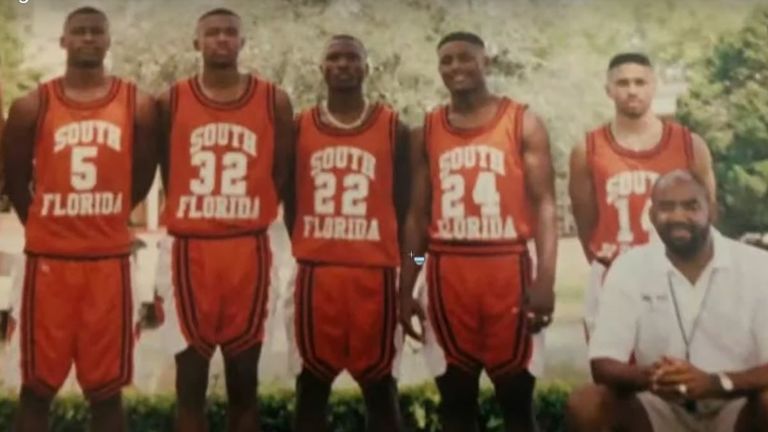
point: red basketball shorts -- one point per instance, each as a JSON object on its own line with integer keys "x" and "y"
{"x": 77, "y": 311}
{"x": 345, "y": 319}
{"x": 221, "y": 288}
{"x": 475, "y": 310}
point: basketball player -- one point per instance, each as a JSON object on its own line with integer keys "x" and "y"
{"x": 84, "y": 142}
{"x": 224, "y": 163}
{"x": 350, "y": 198}
{"x": 613, "y": 170}
{"x": 483, "y": 173}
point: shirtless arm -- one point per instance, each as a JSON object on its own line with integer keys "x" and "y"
{"x": 540, "y": 182}
{"x": 402, "y": 180}
{"x": 414, "y": 232}
{"x": 164, "y": 115}
{"x": 18, "y": 151}
{"x": 581, "y": 190}
{"x": 144, "y": 147}
{"x": 285, "y": 154}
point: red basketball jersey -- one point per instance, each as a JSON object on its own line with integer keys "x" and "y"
{"x": 221, "y": 156}
{"x": 623, "y": 180}
{"x": 479, "y": 197}
{"x": 344, "y": 191}
{"x": 83, "y": 155}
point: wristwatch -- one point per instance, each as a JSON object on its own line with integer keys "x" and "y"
{"x": 725, "y": 382}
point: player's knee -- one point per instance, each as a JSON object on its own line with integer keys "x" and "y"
{"x": 586, "y": 407}
{"x": 191, "y": 377}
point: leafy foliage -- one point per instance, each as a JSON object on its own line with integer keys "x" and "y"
{"x": 14, "y": 79}
{"x": 728, "y": 106}
{"x": 419, "y": 406}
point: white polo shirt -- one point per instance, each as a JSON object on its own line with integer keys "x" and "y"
{"x": 637, "y": 308}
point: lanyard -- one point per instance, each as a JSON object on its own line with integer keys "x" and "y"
{"x": 688, "y": 338}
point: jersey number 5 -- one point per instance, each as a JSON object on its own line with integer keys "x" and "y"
{"x": 234, "y": 166}
{"x": 83, "y": 168}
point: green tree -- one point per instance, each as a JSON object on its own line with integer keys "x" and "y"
{"x": 15, "y": 80}
{"x": 728, "y": 105}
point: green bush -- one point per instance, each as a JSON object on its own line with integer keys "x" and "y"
{"x": 419, "y": 406}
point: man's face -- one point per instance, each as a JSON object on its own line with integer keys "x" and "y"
{"x": 219, "y": 40}
{"x": 680, "y": 213}
{"x": 462, "y": 66}
{"x": 86, "y": 40}
{"x": 344, "y": 64}
{"x": 632, "y": 88}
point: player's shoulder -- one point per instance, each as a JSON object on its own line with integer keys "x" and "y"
{"x": 306, "y": 113}
{"x": 675, "y": 125}
{"x": 28, "y": 104}
{"x": 385, "y": 107}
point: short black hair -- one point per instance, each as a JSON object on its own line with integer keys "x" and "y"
{"x": 218, "y": 11}
{"x": 629, "y": 58}
{"x": 347, "y": 38}
{"x": 85, "y": 10}
{"x": 461, "y": 36}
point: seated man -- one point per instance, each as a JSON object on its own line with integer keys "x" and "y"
{"x": 691, "y": 306}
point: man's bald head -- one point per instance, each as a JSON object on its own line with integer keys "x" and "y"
{"x": 679, "y": 177}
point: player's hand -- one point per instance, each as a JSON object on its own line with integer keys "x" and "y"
{"x": 152, "y": 314}
{"x": 539, "y": 306}
{"x": 408, "y": 308}
{"x": 7, "y": 326}
{"x": 680, "y": 377}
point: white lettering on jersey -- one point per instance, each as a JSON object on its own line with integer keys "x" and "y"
{"x": 454, "y": 222}
{"x": 220, "y": 190}
{"x": 343, "y": 157}
{"x": 229, "y": 135}
{"x": 341, "y": 228}
{"x": 627, "y": 183}
{"x": 97, "y": 132}
{"x": 619, "y": 190}
{"x": 477, "y": 228}
{"x": 471, "y": 156}
{"x": 82, "y": 204}
{"x": 218, "y": 207}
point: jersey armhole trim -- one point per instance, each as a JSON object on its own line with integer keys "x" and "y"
{"x": 173, "y": 96}
{"x": 688, "y": 147}
{"x": 519, "y": 119}
{"x": 271, "y": 102}
{"x": 393, "y": 120}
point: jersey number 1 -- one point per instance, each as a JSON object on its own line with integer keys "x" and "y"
{"x": 625, "y": 234}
